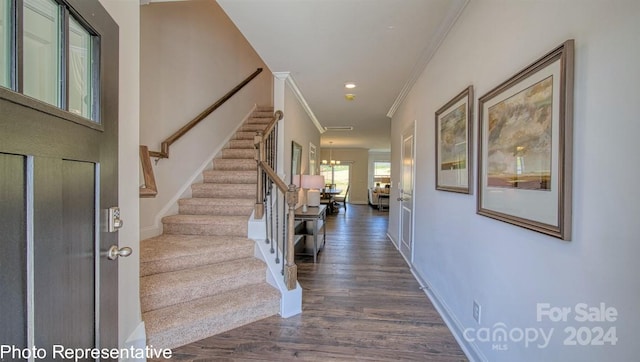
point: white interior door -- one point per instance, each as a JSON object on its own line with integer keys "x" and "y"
{"x": 406, "y": 195}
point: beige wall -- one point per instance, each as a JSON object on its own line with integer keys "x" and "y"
{"x": 191, "y": 54}
{"x": 298, "y": 128}
{"x": 358, "y": 158}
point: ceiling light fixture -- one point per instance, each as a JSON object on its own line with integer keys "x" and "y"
{"x": 350, "y": 85}
{"x": 331, "y": 161}
{"x": 350, "y": 96}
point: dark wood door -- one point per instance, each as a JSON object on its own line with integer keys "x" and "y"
{"x": 58, "y": 173}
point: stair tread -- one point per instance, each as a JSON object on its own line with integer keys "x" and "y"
{"x": 170, "y": 282}
{"x": 230, "y": 176}
{"x": 225, "y": 184}
{"x": 204, "y": 219}
{"x": 199, "y": 309}
{"x": 183, "y": 323}
{"x": 230, "y": 159}
{"x": 167, "y": 246}
{"x": 212, "y": 201}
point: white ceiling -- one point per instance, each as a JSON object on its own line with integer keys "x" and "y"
{"x": 381, "y": 45}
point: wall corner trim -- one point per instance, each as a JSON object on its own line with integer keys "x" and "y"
{"x": 303, "y": 102}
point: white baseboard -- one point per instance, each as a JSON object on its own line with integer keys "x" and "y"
{"x": 291, "y": 300}
{"x": 457, "y": 329}
{"x": 393, "y": 241}
{"x": 137, "y": 340}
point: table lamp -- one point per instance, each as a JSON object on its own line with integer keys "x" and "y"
{"x": 312, "y": 184}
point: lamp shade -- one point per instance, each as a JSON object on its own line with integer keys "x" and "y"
{"x": 312, "y": 182}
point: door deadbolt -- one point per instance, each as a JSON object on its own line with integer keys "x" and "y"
{"x": 114, "y": 222}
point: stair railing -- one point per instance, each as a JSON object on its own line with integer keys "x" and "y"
{"x": 271, "y": 191}
{"x": 149, "y": 188}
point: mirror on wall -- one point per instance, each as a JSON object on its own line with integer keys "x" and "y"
{"x": 296, "y": 160}
{"x": 312, "y": 159}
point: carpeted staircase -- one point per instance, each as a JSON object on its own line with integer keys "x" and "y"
{"x": 200, "y": 277}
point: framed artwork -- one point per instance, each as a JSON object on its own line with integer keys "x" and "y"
{"x": 454, "y": 140}
{"x": 296, "y": 161}
{"x": 525, "y": 146}
{"x": 312, "y": 159}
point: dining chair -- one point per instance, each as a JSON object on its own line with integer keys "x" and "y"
{"x": 342, "y": 200}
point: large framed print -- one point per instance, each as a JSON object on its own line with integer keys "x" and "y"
{"x": 454, "y": 135}
{"x": 525, "y": 146}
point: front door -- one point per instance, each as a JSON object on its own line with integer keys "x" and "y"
{"x": 58, "y": 175}
{"x": 406, "y": 195}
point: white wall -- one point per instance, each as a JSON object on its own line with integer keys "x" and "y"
{"x": 191, "y": 54}
{"x": 127, "y": 15}
{"x": 508, "y": 269}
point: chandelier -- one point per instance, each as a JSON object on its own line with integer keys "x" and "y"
{"x": 331, "y": 161}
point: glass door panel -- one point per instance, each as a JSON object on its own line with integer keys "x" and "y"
{"x": 6, "y": 29}
{"x": 80, "y": 64}
{"x": 42, "y": 56}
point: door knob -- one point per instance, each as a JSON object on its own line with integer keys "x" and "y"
{"x": 114, "y": 252}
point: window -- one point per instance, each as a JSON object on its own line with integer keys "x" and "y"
{"x": 42, "y": 54}
{"x": 80, "y": 71}
{"x": 338, "y": 175}
{"x": 57, "y": 62}
{"x": 5, "y": 47}
{"x": 381, "y": 173}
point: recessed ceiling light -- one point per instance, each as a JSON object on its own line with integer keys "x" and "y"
{"x": 350, "y": 97}
{"x": 350, "y": 85}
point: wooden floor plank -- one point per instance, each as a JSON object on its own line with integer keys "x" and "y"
{"x": 360, "y": 302}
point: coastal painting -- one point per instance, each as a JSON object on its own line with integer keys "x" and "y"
{"x": 453, "y": 143}
{"x": 453, "y": 139}
{"x": 520, "y": 139}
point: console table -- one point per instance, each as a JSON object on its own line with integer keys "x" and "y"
{"x": 381, "y": 204}
{"x": 317, "y": 216}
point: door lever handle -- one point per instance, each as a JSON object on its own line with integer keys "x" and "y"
{"x": 114, "y": 252}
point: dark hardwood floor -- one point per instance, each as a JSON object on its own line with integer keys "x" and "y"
{"x": 360, "y": 302}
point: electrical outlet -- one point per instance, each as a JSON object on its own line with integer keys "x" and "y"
{"x": 476, "y": 311}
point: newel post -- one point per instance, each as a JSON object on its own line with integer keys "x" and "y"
{"x": 259, "y": 144}
{"x": 291, "y": 269}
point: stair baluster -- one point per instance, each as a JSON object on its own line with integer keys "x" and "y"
{"x": 271, "y": 185}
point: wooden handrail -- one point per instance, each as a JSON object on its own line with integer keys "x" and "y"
{"x": 149, "y": 189}
{"x": 259, "y": 140}
{"x": 291, "y": 197}
{"x": 267, "y": 131}
{"x": 164, "y": 147}
{"x": 290, "y": 192}
{"x": 273, "y": 176}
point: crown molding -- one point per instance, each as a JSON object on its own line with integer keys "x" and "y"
{"x": 296, "y": 91}
{"x": 446, "y": 26}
